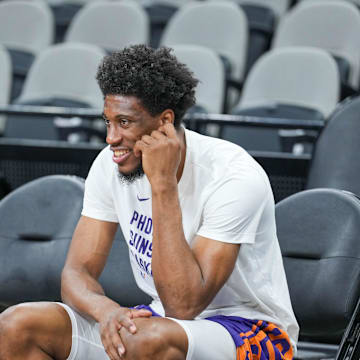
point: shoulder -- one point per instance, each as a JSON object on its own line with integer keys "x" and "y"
{"x": 104, "y": 157}
{"x": 219, "y": 161}
{"x": 102, "y": 164}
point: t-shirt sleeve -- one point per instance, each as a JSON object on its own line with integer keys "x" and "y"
{"x": 98, "y": 202}
{"x": 234, "y": 210}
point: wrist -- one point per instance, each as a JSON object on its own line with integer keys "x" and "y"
{"x": 106, "y": 306}
{"x": 163, "y": 186}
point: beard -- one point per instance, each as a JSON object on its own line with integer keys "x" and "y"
{"x": 128, "y": 179}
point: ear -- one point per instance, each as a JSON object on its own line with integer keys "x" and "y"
{"x": 167, "y": 116}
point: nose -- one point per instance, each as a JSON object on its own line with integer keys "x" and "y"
{"x": 114, "y": 135}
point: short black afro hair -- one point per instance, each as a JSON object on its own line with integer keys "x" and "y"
{"x": 154, "y": 76}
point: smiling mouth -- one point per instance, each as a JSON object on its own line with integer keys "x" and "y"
{"x": 121, "y": 156}
{"x": 119, "y": 153}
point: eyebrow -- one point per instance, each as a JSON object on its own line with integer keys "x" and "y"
{"x": 130, "y": 117}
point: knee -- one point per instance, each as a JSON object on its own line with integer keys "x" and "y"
{"x": 15, "y": 324}
{"x": 149, "y": 342}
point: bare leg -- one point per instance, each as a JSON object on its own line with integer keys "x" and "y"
{"x": 155, "y": 339}
{"x": 35, "y": 331}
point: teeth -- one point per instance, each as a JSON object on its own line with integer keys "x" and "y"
{"x": 119, "y": 153}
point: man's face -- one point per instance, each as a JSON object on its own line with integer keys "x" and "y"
{"x": 127, "y": 121}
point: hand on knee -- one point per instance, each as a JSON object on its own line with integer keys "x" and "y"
{"x": 151, "y": 341}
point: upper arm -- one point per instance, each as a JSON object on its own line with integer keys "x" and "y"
{"x": 90, "y": 245}
{"x": 231, "y": 217}
{"x": 234, "y": 211}
{"x": 216, "y": 260}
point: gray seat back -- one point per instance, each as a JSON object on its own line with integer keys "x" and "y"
{"x": 318, "y": 231}
{"x": 221, "y": 26}
{"x": 335, "y": 162}
{"x": 110, "y": 25}
{"x": 331, "y": 25}
{"x": 208, "y": 69}
{"x": 65, "y": 71}
{"x": 37, "y": 221}
{"x": 26, "y": 25}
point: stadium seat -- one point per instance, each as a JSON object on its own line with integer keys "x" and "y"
{"x": 5, "y": 83}
{"x": 335, "y": 162}
{"x": 330, "y": 25}
{"x": 318, "y": 232}
{"x": 356, "y": 2}
{"x": 221, "y": 26}
{"x": 26, "y": 28}
{"x": 62, "y": 75}
{"x": 293, "y": 83}
{"x": 208, "y": 69}
{"x": 279, "y": 7}
{"x": 64, "y": 11}
{"x": 37, "y": 221}
{"x": 110, "y": 25}
{"x": 262, "y": 16}
{"x": 26, "y": 25}
{"x": 159, "y": 12}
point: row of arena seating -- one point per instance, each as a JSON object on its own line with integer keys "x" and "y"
{"x": 291, "y": 82}
{"x": 232, "y": 31}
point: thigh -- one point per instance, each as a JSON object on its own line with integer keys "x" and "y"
{"x": 156, "y": 338}
{"x": 86, "y": 341}
{"x": 43, "y": 324}
{"x": 207, "y": 340}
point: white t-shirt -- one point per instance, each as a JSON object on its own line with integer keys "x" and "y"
{"x": 224, "y": 195}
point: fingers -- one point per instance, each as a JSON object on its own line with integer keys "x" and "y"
{"x": 155, "y": 136}
{"x": 127, "y": 323}
{"x": 112, "y": 342}
{"x": 110, "y": 335}
{"x": 139, "y": 147}
{"x": 116, "y": 348}
{"x": 147, "y": 139}
{"x": 169, "y": 130}
{"x": 158, "y": 135}
{"x": 137, "y": 313}
{"x": 165, "y": 131}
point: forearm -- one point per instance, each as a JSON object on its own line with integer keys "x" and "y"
{"x": 84, "y": 293}
{"x": 177, "y": 274}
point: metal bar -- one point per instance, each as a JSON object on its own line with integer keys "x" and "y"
{"x": 196, "y": 118}
{"x": 50, "y": 111}
{"x": 349, "y": 348}
{"x": 255, "y": 121}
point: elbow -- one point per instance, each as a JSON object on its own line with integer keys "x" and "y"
{"x": 64, "y": 280}
{"x": 182, "y": 312}
{"x": 69, "y": 282}
{"x": 186, "y": 306}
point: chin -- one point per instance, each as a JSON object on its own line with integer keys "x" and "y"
{"x": 130, "y": 176}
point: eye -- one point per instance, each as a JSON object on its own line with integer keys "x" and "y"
{"x": 124, "y": 122}
{"x": 107, "y": 121}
